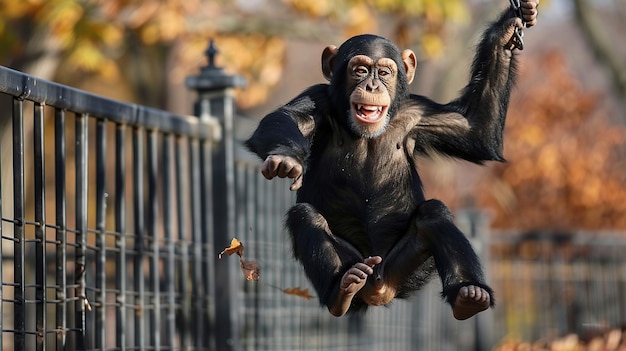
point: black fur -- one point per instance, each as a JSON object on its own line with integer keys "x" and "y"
{"x": 363, "y": 197}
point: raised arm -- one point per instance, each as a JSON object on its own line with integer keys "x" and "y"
{"x": 471, "y": 126}
{"x": 283, "y": 137}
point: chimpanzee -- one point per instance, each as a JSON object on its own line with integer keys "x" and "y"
{"x": 362, "y": 228}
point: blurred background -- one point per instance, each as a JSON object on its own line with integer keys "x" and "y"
{"x": 555, "y": 212}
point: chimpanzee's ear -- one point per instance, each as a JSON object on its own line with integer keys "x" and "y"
{"x": 328, "y": 61}
{"x": 410, "y": 64}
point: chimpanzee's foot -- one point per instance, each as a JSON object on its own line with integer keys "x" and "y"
{"x": 469, "y": 301}
{"x": 351, "y": 283}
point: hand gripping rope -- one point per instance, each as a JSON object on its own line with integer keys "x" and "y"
{"x": 516, "y": 41}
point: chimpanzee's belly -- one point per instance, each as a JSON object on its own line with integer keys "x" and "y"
{"x": 367, "y": 201}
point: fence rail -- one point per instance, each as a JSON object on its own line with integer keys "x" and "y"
{"x": 25, "y": 87}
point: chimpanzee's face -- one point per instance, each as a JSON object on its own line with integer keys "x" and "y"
{"x": 372, "y": 74}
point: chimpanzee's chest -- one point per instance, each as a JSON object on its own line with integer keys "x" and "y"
{"x": 362, "y": 186}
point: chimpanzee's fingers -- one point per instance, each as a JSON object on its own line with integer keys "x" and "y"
{"x": 282, "y": 166}
{"x": 296, "y": 171}
{"x": 289, "y": 167}
{"x": 269, "y": 169}
{"x": 297, "y": 183}
{"x": 529, "y": 11}
{"x": 285, "y": 167}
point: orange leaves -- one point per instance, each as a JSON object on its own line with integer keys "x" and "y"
{"x": 236, "y": 247}
{"x": 154, "y": 20}
{"x": 250, "y": 270}
{"x": 297, "y": 291}
{"x": 565, "y": 168}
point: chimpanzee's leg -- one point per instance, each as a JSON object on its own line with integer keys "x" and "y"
{"x": 461, "y": 274}
{"x": 336, "y": 269}
{"x": 458, "y": 266}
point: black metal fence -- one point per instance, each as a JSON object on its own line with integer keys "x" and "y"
{"x": 113, "y": 215}
{"x": 553, "y": 284}
{"x": 105, "y": 213}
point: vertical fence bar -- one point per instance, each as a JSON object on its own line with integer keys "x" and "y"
{"x": 196, "y": 240}
{"x": 101, "y": 203}
{"x": 40, "y": 229}
{"x": 82, "y": 172}
{"x": 223, "y": 163}
{"x": 120, "y": 230}
{"x": 182, "y": 209}
{"x": 250, "y": 224}
{"x": 18, "y": 227}
{"x": 153, "y": 208}
{"x": 241, "y": 225}
{"x": 61, "y": 225}
{"x": 138, "y": 276}
{"x": 168, "y": 226}
{"x": 207, "y": 222}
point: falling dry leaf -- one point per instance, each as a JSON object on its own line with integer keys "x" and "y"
{"x": 297, "y": 291}
{"x": 250, "y": 269}
{"x": 235, "y": 247}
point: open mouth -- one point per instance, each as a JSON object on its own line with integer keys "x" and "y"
{"x": 369, "y": 113}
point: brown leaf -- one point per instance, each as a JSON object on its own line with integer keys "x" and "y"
{"x": 297, "y": 291}
{"x": 235, "y": 247}
{"x": 251, "y": 269}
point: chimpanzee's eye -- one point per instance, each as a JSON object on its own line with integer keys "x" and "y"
{"x": 361, "y": 70}
{"x": 384, "y": 72}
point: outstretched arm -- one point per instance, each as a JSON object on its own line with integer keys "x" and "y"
{"x": 471, "y": 126}
{"x": 282, "y": 138}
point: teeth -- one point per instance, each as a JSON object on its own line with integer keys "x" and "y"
{"x": 369, "y": 108}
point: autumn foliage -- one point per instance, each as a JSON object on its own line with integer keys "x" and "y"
{"x": 565, "y": 152}
{"x": 251, "y": 270}
{"x": 613, "y": 340}
{"x": 108, "y": 39}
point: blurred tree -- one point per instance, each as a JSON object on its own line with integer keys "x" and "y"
{"x": 602, "y": 41}
{"x": 142, "y": 44}
{"x": 567, "y": 156}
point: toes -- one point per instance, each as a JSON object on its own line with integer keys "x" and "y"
{"x": 474, "y": 293}
{"x": 477, "y": 293}
{"x": 373, "y": 260}
{"x": 470, "y": 292}
{"x": 357, "y": 273}
{"x": 470, "y": 301}
{"x": 362, "y": 268}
